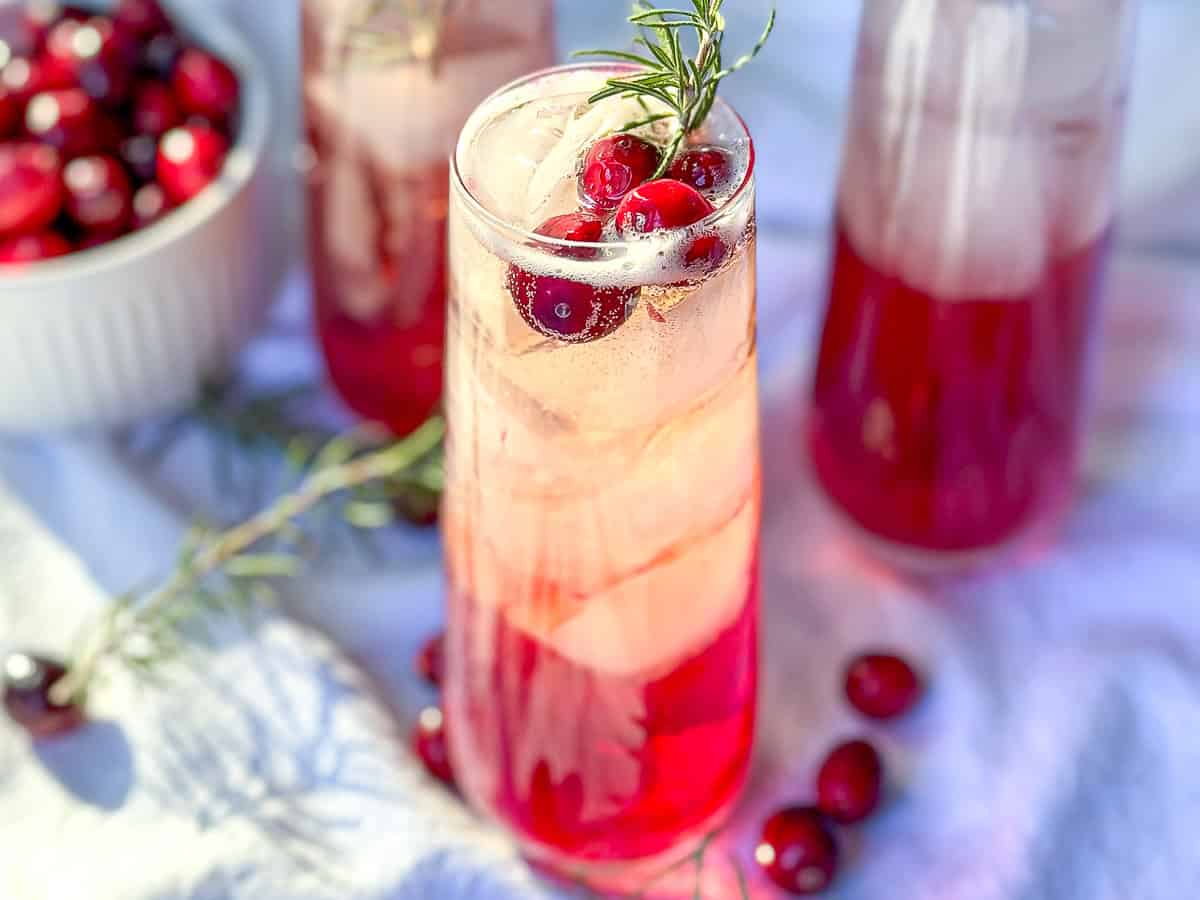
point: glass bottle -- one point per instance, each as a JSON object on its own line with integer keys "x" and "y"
{"x": 388, "y": 85}
{"x": 974, "y": 224}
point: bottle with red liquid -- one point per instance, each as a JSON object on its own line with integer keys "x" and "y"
{"x": 388, "y": 85}
{"x": 974, "y": 223}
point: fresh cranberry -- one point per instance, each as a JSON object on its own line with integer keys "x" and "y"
{"x": 704, "y": 168}
{"x": 564, "y": 309}
{"x": 189, "y": 158}
{"x": 160, "y": 55}
{"x": 659, "y": 205}
{"x": 429, "y": 743}
{"x": 43, "y": 15}
{"x": 30, "y": 188}
{"x": 431, "y": 659}
{"x": 10, "y": 113}
{"x": 141, "y": 19}
{"x": 849, "y": 782}
{"x": 205, "y": 86}
{"x": 667, "y": 204}
{"x": 882, "y": 686}
{"x": 99, "y": 196}
{"x": 97, "y": 55}
{"x": 149, "y": 205}
{"x": 68, "y": 121}
{"x": 24, "y": 78}
{"x": 154, "y": 109}
{"x": 798, "y": 850}
{"x": 27, "y": 682}
{"x": 31, "y": 248}
{"x": 140, "y": 155}
{"x": 614, "y": 166}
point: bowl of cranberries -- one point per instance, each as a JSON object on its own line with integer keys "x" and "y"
{"x": 134, "y": 245}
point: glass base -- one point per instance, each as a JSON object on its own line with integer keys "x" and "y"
{"x": 666, "y": 873}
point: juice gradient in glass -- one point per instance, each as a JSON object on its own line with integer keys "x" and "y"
{"x": 387, "y": 87}
{"x": 601, "y": 516}
{"x": 974, "y": 223}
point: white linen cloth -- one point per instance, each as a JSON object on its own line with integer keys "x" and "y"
{"x": 1055, "y": 758}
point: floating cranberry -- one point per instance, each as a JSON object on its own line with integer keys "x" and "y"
{"x": 67, "y": 120}
{"x": 429, "y": 743}
{"x": 189, "y": 158}
{"x": 97, "y": 55}
{"x": 27, "y": 682}
{"x": 149, "y": 205}
{"x": 160, "y": 55}
{"x": 99, "y": 196}
{"x": 31, "y": 192}
{"x": 666, "y": 204}
{"x": 882, "y": 686}
{"x": 850, "y": 782}
{"x": 205, "y": 86}
{"x": 614, "y": 166}
{"x": 560, "y": 307}
{"x": 704, "y": 168}
{"x": 798, "y": 850}
{"x": 659, "y": 205}
{"x": 431, "y": 659}
{"x": 154, "y": 109}
{"x": 141, "y": 19}
{"x": 140, "y": 155}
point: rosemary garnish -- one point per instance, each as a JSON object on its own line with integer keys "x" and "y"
{"x": 686, "y": 85}
{"x": 224, "y": 571}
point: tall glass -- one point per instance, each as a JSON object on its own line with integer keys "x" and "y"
{"x": 388, "y": 85}
{"x": 601, "y": 516}
{"x": 974, "y": 224}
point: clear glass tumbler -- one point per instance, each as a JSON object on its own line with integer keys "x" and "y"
{"x": 974, "y": 223}
{"x": 388, "y": 85}
{"x": 601, "y": 515}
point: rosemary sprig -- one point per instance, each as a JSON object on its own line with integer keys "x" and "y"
{"x": 686, "y": 85}
{"x": 142, "y": 631}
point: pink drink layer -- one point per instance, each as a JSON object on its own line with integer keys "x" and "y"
{"x": 952, "y": 423}
{"x": 383, "y": 110}
{"x": 601, "y": 516}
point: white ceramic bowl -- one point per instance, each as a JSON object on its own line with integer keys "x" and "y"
{"x": 132, "y": 328}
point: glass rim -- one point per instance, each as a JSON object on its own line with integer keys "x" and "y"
{"x": 528, "y": 236}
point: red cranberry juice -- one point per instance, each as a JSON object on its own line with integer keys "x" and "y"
{"x": 952, "y": 423}
{"x": 601, "y": 767}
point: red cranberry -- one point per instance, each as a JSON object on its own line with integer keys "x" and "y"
{"x": 66, "y": 120}
{"x": 798, "y": 850}
{"x": 614, "y": 166}
{"x": 661, "y": 204}
{"x": 704, "y": 168}
{"x": 141, "y": 19}
{"x": 30, "y": 188}
{"x": 24, "y": 78}
{"x": 95, "y": 239}
{"x": 205, "y": 86}
{"x": 27, "y": 682}
{"x": 43, "y": 15}
{"x": 882, "y": 686}
{"x": 849, "y": 782}
{"x": 140, "y": 155}
{"x": 431, "y": 659}
{"x": 154, "y": 109}
{"x": 149, "y": 205}
{"x": 10, "y": 113}
{"x": 666, "y": 204}
{"x": 96, "y": 54}
{"x": 99, "y": 196}
{"x": 189, "y": 158}
{"x": 429, "y": 743}
{"x": 160, "y": 55}
{"x": 31, "y": 248}
{"x": 564, "y": 309}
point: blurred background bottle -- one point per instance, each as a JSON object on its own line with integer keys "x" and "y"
{"x": 974, "y": 222}
{"x": 388, "y": 85}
